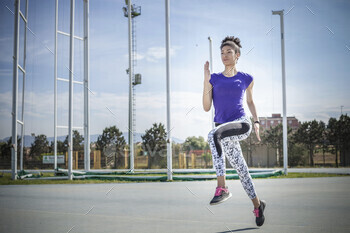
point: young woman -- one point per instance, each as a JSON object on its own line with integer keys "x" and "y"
{"x": 226, "y": 90}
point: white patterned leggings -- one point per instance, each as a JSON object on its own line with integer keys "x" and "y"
{"x": 224, "y": 139}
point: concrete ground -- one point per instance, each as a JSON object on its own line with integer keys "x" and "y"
{"x": 293, "y": 205}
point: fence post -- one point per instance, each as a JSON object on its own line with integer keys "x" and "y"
{"x": 180, "y": 160}
{"x": 99, "y": 160}
{"x": 126, "y": 158}
{"x": 193, "y": 160}
{"x": 76, "y": 160}
{"x": 95, "y": 158}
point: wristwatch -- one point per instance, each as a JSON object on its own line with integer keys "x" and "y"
{"x": 257, "y": 122}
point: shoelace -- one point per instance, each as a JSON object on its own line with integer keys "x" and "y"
{"x": 219, "y": 190}
{"x": 256, "y": 212}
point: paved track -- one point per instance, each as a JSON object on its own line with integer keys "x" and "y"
{"x": 293, "y": 205}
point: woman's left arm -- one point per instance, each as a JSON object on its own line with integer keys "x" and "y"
{"x": 252, "y": 108}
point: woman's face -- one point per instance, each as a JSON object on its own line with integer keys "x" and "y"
{"x": 228, "y": 56}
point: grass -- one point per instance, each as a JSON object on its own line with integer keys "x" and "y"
{"x": 5, "y": 179}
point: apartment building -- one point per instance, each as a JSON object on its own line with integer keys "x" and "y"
{"x": 276, "y": 119}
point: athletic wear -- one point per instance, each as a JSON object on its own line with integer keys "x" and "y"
{"x": 221, "y": 195}
{"x": 228, "y": 95}
{"x": 259, "y": 213}
{"x": 224, "y": 141}
{"x": 231, "y": 126}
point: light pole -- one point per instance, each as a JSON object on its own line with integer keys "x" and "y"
{"x": 71, "y": 89}
{"x": 211, "y": 70}
{"x": 131, "y": 11}
{"x": 167, "y": 39}
{"x": 131, "y": 130}
{"x": 15, "y": 92}
{"x": 285, "y": 148}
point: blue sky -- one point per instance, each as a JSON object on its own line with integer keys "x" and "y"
{"x": 317, "y": 49}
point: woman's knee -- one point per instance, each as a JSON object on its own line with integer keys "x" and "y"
{"x": 246, "y": 128}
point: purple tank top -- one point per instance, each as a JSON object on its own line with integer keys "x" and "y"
{"x": 228, "y": 95}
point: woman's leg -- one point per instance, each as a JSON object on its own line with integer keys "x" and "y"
{"x": 221, "y": 193}
{"x": 237, "y": 130}
{"x": 230, "y": 135}
{"x": 233, "y": 152}
{"x": 218, "y": 161}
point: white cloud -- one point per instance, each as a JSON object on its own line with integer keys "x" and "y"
{"x": 138, "y": 56}
{"x": 155, "y": 53}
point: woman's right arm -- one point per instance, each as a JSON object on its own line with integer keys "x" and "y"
{"x": 207, "y": 89}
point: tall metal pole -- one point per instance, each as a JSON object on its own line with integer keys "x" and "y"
{"x": 71, "y": 70}
{"x": 14, "y": 93}
{"x": 86, "y": 88}
{"x": 167, "y": 38}
{"x": 24, "y": 82}
{"x": 55, "y": 87}
{"x": 285, "y": 146}
{"x": 131, "y": 130}
{"x": 211, "y": 70}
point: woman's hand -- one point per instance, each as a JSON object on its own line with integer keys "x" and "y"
{"x": 207, "y": 88}
{"x": 206, "y": 71}
{"x": 256, "y": 127}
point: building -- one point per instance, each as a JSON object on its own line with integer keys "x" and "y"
{"x": 276, "y": 119}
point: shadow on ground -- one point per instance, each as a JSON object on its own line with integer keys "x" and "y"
{"x": 243, "y": 229}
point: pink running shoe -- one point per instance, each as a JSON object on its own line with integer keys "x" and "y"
{"x": 259, "y": 213}
{"x": 221, "y": 195}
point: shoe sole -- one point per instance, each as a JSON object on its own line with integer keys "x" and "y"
{"x": 219, "y": 202}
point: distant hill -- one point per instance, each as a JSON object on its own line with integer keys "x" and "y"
{"x": 28, "y": 139}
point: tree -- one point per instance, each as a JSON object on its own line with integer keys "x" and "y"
{"x": 5, "y": 148}
{"x": 112, "y": 140}
{"x": 296, "y": 153}
{"x": 197, "y": 143}
{"x": 61, "y": 147}
{"x": 250, "y": 144}
{"x": 77, "y": 141}
{"x": 324, "y": 146}
{"x": 310, "y": 134}
{"x": 207, "y": 158}
{"x": 333, "y": 136}
{"x": 176, "y": 148}
{"x": 39, "y": 146}
{"x": 274, "y": 137}
{"x": 154, "y": 144}
{"x": 194, "y": 143}
{"x": 344, "y": 139}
